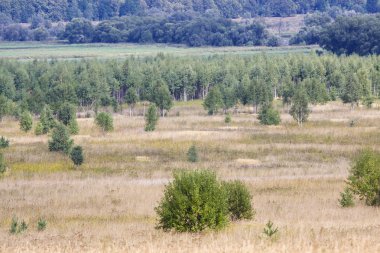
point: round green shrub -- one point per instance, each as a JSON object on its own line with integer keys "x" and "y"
{"x": 192, "y": 154}
{"x": 193, "y": 201}
{"x": 269, "y": 116}
{"x": 104, "y": 121}
{"x": 239, "y": 200}
{"x": 76, "y": 155}
{"x": 364, "y": 179}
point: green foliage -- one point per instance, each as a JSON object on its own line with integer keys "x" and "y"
{"x": 73, "y": 127}
{"x": 270, "y": 230}
{"x": 47, "y": 119}
{"x": 228, "y": 118}
{"x": 239, "y": 200}
{"x": 151, "y": 118}
{"x": 364, "y": 179}
{"x": 26, "y": 122}
{"x": 268, "y": 115}
{"x": 76, "y": 155}
{"x": 18, "y": 227}
{"x": 41, "y": 224}
{"x": 193, "y": 201}
{"x": 66, "y": 113}
{"x": 3, "y": 166}
{"x": 39, "y": 129}
{"x": 192, "y": 154}
{"x": 60, "y": 140}
{"x": 4, "y": 142}
{"x": 213, "y": 101}
{"x": 300, "y": 107}
{"x": 346, "y": 198}
{"x": 104, "y": 121}
{"x": 161, "y": 97}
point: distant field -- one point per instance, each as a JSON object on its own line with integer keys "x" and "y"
{"x": 24, "y": 51}
{"x": 294, "y": 174}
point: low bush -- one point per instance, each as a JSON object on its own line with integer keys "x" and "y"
{"x": 239, "y": 200}
{"x": 41, "y": 224}
{"x": 4, "y": 142}
{"x": 364, "y": 179}
{"x": 346, "y": 198}
{"x": 193, "y": 201}
{"x": 192, "y": 154}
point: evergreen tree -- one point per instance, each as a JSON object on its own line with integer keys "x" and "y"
{"x": 300, "y": 107}
{"x": 76, "y": 155}
{"x": 60, "y": 141}
{"x": 192, "y": 154}
{"x": 47, "y": 119}
{"x": 26, "y": 121}
{"x": 151, "y": 118}
{"x": 352, "y": 90}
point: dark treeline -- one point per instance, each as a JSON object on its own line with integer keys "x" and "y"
{"x": 179, "y": 29}
{"x": 358, "y": 34}
{"x": 250, "y": 80}
{"x": 65, "y": 10}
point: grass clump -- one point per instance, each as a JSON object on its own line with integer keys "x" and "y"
{"x": 364, "y": 179}
{"x": 239, "y": 200}
{"x": 193, "y": 202}
{"x": 346, "y": 198}
{"x": 41, "y": 224}
{"x": 270, "y": 230}
{"x": 18, "y": 227}
{"x": 192, "y": 154}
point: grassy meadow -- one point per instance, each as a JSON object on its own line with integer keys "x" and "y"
{"x": 107, "y": 205}
{"x": 38, "y": 50}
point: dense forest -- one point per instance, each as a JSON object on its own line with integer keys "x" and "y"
{"x": 178, "y": 29}
{"x": 358, "y": 34}
{"x": 65, "y": 10}
{"x": 248, "y": 80}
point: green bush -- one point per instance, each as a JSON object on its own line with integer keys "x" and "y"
{"x": 193, "y": 202}
{"x": 270, "y": 230}
{"x": 76, "y": 155}
{"x": 239, "y": 200}
{"x": 66, "y": 113}
{"x": 4, "y": 142}
{"x": 39, "y": 130}
{"x": 60, "y": 139}
{"x": 151, "y": 118}
{"x": 269, "y": 116}
{"x": 26, "y": 122}
{"x": 3, "y": 166}
{"x": 228, "y": 118}
{"x": 192, "y": 154}
{"x": 364, "y": 179}
{"x": 346, "y": 198}
{"x": 74, "y": 127}
{"x": 104, "y": 121}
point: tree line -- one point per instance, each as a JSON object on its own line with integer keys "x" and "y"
{"x": 343, "y": 34}
{"x": 65, "y": 10}
{"x": 247, "y": 80}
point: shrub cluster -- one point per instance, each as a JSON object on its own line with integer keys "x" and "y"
{"x": 196, "y": 200}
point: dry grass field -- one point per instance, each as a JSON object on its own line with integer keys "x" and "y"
{"x": 295, "y": 176}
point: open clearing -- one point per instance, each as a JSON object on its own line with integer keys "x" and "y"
{"x": 295, "y": 175}
{"x": 37, "y": 50}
